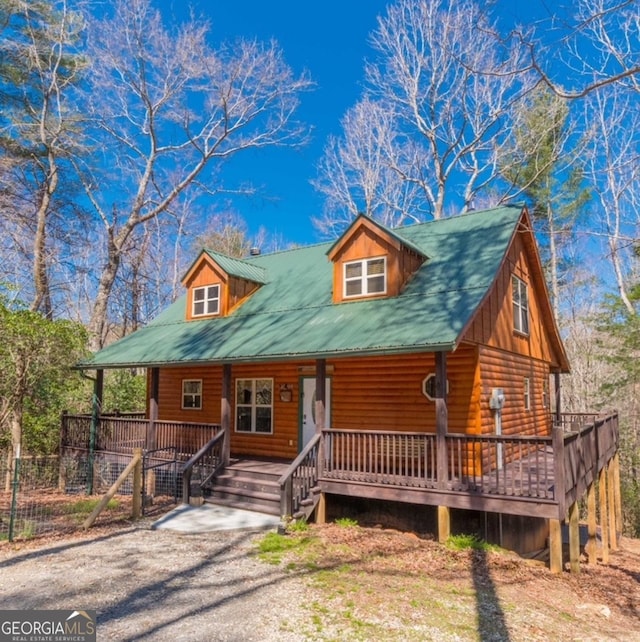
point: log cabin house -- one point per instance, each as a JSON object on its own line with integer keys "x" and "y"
{"x": 416, "y": 368}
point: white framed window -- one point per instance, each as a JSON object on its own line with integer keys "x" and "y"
{"x": 527, "y": 393}
{"x": 520, "y": 305}
{"x": 254, "y": 405}
{"x": 192, "y": 394}
{"x": 206, "y": 300}
{"x": 366, "y": 277}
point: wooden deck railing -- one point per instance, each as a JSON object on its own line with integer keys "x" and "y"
{"x": 203, "y": 466}
{"x": 122, "y": 434}
{"x": 299, "y": 481}
{"x": 548, "y": 469}
{"x": 584, "y": 453}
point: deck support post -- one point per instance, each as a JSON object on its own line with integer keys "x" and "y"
{"x": 574, "y": 537}
{"x": 444, "y": 524}
{"x": 96, "y": 410}
{"x": 555, "y": 546}
{"x": 617, "y": 497}
{"x": 557, "y": 440}
{"x": 613, "y": 539}
{"x": 591, "y": 547}
{"x": 321, "y": 510}
{"x": 604, "y": 515}
{"x": 225, "y": 413}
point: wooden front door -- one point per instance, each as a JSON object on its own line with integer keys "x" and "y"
{"x": 308, "y": 406}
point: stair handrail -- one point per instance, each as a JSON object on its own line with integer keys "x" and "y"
{"x": 286, "y": 479}
{"x": 187, "y": 469}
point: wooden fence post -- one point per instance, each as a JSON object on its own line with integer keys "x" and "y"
{"x": 136, "y": 508}
{"x": 113, "y": 490}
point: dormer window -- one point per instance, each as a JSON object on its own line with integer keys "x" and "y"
{"x": 206, "y": 301}
{"x": 366, "y": 277}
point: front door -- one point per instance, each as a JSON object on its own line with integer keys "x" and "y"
{"x": 308, "y": 404}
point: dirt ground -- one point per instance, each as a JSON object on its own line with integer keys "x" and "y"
{"x": 330, "y": 582}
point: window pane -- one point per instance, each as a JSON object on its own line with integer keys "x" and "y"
{"x": 376, "y": 284}
{"x": 353, "y": 288}
{"x": 212, "y": 306}
{"x": 375, "y": 267}
{"x": 263, "y": 392}
{"x": 263, "y": 419}
{"x": 191, "y": 386}
{"x": 198, "y": 294}
{"x": 212, "y": 292}
{"x": 353, "y": 270}
{"x": 243, "y": 420}
{"x": 198, "y": 308}
{"x": 244, "y": 389}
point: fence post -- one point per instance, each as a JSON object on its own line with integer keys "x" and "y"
{"x": 14, "y": 497}
{"x": 136, "y": 508}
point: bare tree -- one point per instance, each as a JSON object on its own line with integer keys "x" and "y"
{"x": 41, "y": 66}
{"x": 613, "y": 172}
{"x": 596, "y": 47}
{"x": 441, "y": 89}
{"x": 169, "y": 111}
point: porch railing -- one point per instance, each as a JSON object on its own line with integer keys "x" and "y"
{"x": 123, "y": 434}
{"x": 203, "y": 466}
{"x": 299, "y": 481}
{"x": 551, "y": 469}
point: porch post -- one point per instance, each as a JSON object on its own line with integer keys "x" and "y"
{"x": 556, "y": 379}
{"x": 321, "y": 388}
{"x": 225, "y": 413}
{"x": 613, "y": 535}
{"x": 441, "y": 418}
{"x": 154, "y": 385}
{"x": 96, "y": 409}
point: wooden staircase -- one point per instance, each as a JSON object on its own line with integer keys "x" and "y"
{"x": 249, "y": 485}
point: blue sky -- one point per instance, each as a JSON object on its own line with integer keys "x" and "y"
{"x": 330, "y": 40}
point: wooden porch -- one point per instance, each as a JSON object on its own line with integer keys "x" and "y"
{"x": 531, "y": 476}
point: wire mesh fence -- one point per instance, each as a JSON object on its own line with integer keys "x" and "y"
{"x": 42, "y": 496}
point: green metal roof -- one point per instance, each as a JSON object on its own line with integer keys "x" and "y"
{"x": 235, "y": 267}
{"x": 292, "y": 315}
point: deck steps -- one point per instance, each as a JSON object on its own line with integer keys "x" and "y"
{"x": 248, "y": 484}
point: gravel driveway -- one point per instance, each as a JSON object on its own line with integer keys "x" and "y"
{"x": 159, "y": 585}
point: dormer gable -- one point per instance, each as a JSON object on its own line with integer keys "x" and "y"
{"x": 217, "y": 284}
{"x": 371, "y": 260}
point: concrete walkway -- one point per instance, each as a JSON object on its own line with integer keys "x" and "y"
{"x": 209, "y": 517}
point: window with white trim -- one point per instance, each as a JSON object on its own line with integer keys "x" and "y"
{"x": 192, "y": 394}
{"x": 254, "y": 405}
{"x": 206, "y": 300}
{"x": 520, "y": 305}
{"x": 527, "y": 393}
{"x": 366, "y": 277}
